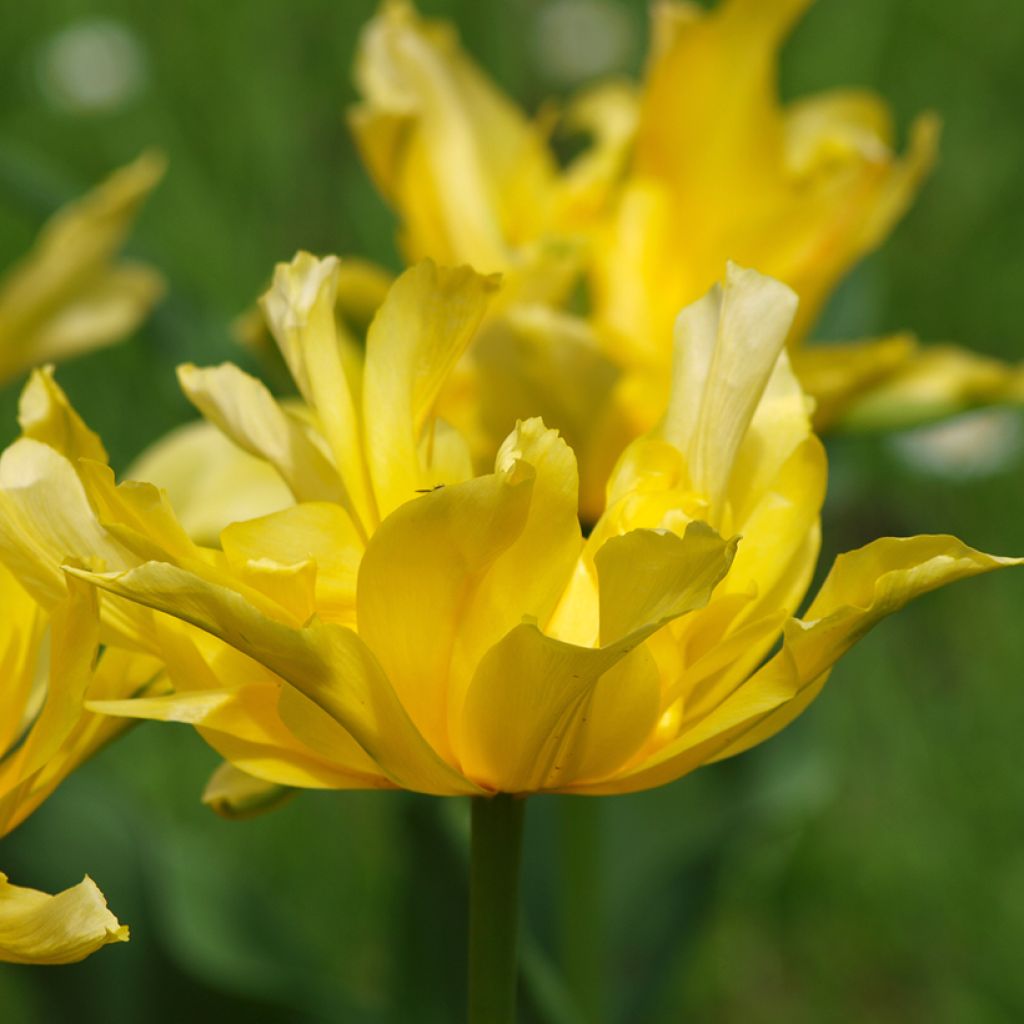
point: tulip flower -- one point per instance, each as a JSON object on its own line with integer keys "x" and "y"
{"x": 50, "y": 666}
{"x": 700, "y": 165}
{"x": 408, "y": 623}
{"x": 68, "y": 295}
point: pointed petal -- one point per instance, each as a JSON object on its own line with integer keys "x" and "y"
{"x": 754, "y": 317}
{"x": 863, "y": 587}
{"x": 300, "y": 310}
{"x": 65, "y": 296}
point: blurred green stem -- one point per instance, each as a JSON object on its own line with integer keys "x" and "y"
{"x": 495, "y": 854}
{"x": 580, "y": 924}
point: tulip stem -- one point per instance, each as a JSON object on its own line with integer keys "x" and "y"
{"x": 494, "y": 908}
{"x": 581, "y": 924}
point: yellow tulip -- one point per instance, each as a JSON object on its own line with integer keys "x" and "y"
{"x": 722, "y": 170}
{"x": 45, "y": 733}
{"x": 408, "y": 623}
{"x": 67, "y": 295}
{"x": 701, "y": 165}
{"x": 472, "y": 177}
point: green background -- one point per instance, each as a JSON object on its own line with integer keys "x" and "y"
{"x": 867, "y": 865}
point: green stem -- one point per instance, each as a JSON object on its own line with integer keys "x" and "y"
{"x": 494, "y": 908}
{"x": 581, "y": 923}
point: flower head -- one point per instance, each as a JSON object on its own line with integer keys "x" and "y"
{"x": 409, "y": 623}
{"x": 700, "y": 164}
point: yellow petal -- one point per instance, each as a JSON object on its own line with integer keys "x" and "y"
{"x": 329, "y": 664}
{"x": 20, "y": 641}
{"x": 933, "y": 382}
{"x": 300, "y": 310}
{"x": 464, "y": 168}
{"x": 36, "y": 928}
{"x": 241, "y": 407}
{"x": 418, "y": 578}
{"x": 320, "y": 533}
{"x": 525, "y": 711}
{"x": 235, "y": 795}
{"x": 209, "y": 481}
{"x": 45, "y": 414}
{"x": 242, "y": 724}
{"x": 45, "y": 517}
{"x": 863, "y": 587}
{"x": 65, "y": 295}
{"x": 835, "y": 375}
{"x": 647, "y": 578}
{"x": 729, "y": 342}
{"x": 424, "y": 325}
{"x": 73, "y": 651}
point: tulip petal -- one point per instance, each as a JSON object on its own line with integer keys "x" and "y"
{"x": 419, "y": 577}
{"x": 754, "y": 314}
{"x": 45, "y": 517}
{"x": 421, "y": 329}
{"x": 526, "y": 708}
{"x": 36, "y": 928}
{"x": 210, "y": 481}
{"x": 863, "y": 587}
{"x": 329, "y": 664}
{"x": 45, "y": 414}
{"x": 647, "y": 577}
{"x": 317, "y": 532}
{"x": 236, "y": 795}
{"x": 65, "y": 296}
{"x": 246, "y": 412}
{"x": 461, "y": 164}
{"x": 300, "y": 310}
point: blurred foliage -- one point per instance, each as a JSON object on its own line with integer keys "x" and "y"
{"x": 868, "y": 865}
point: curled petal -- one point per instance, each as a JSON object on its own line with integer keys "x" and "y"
{"x": 36, "y": 928}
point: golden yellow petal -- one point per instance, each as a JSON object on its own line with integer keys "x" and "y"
{"x": 424, "y": 325}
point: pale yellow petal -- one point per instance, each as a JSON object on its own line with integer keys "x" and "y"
{"x": 36, "y": 928}
{"x": 300, "y": 311}
{"x": 246, "y": 412}
{"x": 209, "y": 481}
{"x": 754, "y": 316}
